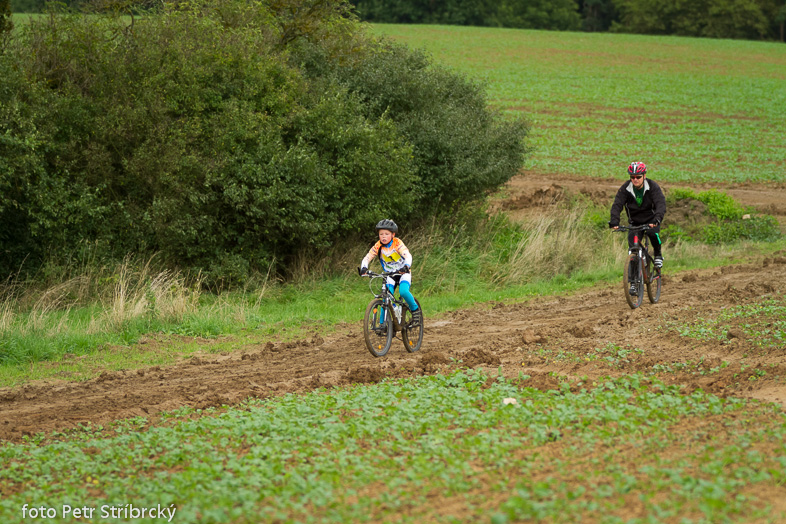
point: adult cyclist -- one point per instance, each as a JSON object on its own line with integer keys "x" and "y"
{"x": 644, "y": 203}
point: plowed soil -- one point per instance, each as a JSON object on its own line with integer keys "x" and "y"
{"x": 590, "y": 334}
{"x": 529, "y": 195}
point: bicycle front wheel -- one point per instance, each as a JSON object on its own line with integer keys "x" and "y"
{"x": 412, "y": 334}
{"x": 632, "y": 283}
{"x": 654, "y": 282}
{"x": 378, "y": 336}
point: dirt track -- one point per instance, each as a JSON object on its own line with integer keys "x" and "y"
{"x": 593, "y": 333}
{"x": 537, "y": 338}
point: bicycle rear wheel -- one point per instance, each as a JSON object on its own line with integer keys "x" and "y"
{"x": 654, "y": 282}
{"x": 632, "y": 281}
{"x": 379, "y": 337}
{"x": 412, "y": 334}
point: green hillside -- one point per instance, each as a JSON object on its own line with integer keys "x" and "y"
{"x": 693, "y": 109}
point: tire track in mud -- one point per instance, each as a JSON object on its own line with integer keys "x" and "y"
{"x": 545, "y": 338}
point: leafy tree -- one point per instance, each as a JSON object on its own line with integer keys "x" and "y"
{"x": 28, "y": 6}
{"x": 539, "y": 14}
{"x": 780, "y": 21}
{"x": 710, "y": 18}
{"x": 737, "y": 19}
{"x": 597, "y": 15}
{"x": 5, "y": 17}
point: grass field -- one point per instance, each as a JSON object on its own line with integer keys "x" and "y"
{"x": 692, "y": 109}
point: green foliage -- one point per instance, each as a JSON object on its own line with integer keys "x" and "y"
{"x": 722, "y": 221}
{"x": 5, "y": 18}
{"x": 598, "y": 15}
{"x": 195, "y": 134}
{"x": 535, "y": 14}
{"x": 757, "y": 228}
{"x": 721, "y": 205}
{"x": 461, "y": 148}
{"x": 27, "y": 6}
{"x": 455, "y": 12}
{"x": 753, "y": 19}
{"x": 312, "y": 457}
{"x": 559, "y": 15}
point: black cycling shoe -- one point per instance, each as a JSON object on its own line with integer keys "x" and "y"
{"x": 381, "y": 330}
{"x": 417, "y": 318}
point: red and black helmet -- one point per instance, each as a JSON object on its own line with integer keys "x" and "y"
{"x": 637, "y": 168}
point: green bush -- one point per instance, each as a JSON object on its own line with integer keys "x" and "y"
{"x": 674, "y": 232}
{"x": 719, "y": 204}
{"x": 186, "y": 137}
{"x": 229, "y": 136}
{"x": 461, "y": 148}
{"x": 722, "y": 221}
{"x": 757, "y": 228}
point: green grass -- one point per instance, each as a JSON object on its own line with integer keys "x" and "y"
{"x": 692, "y": 109}
{"x": 399, "y": 450}
{"x": 763, "y": 322}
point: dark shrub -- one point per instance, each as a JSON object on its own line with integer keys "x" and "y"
{"x": 198, "y": 134}
{"x": 462, "y": 148}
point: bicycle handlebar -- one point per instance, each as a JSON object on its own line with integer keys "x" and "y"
{"x": 371, "y": 274}
{"x": 643, "y": 227}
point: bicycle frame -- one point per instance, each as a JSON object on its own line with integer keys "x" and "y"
{"x": 640, "y": 249}
{"x": 640, "y": 244}
{"x": 388, "y": 298}
{"x": 379, "y": 330}
{"x": 640, "y": 269}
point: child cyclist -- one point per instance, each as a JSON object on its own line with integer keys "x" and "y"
{"x": 394, "y": 256}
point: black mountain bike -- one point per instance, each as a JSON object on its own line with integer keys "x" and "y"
{"x": 395, "y": 318}
{"x": 640, "y": 270}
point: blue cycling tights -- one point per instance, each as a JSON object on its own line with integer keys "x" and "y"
{"x": 406, "y": 294}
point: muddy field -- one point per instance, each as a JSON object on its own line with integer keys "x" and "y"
{"x": 592, "y": 333}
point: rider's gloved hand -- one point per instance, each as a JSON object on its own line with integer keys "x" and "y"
{"x": 362, "y": 271}
{"x": 404, "y": 269}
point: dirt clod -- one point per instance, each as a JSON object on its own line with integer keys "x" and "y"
{"x": 365, "y": 375}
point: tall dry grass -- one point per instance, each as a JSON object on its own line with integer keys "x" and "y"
{"x": 127, "y": 292}
{"x": 143, "y": 292}
{"x": 560, "y": 242}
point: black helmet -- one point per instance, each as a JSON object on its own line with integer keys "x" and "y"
{"x": 387, "y": 224}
